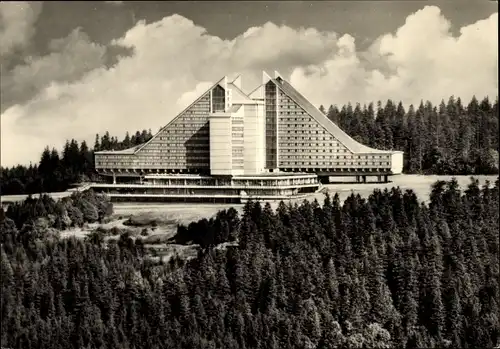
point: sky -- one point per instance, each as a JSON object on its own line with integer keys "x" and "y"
{"x": 75, "y": 69}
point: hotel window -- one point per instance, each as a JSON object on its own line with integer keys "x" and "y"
{"x": 218, "y": 99}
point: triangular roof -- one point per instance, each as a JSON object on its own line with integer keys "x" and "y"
{"x": 238, "y": 95}
{"x": 350, "y": 143}
{"x": 179, "y": 114}
{"x": 265, "y": 77}
{"x": 237, "y": 81}
{"x": 254, "y": 93}
{"x": 264, "y": 80}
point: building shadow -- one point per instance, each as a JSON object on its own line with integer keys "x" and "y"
{"x": 198, "y": 151}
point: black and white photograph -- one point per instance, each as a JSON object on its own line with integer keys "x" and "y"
{"x": 249, "y": 174}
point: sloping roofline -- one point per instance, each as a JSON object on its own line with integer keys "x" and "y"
{"x": 243, "y": 94}
{"x": 255, "y": 89}
{"x": 178, "y": 115}
{"x": 350, "y": 143}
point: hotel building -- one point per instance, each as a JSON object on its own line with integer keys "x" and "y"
{"x": 231, "y": 146}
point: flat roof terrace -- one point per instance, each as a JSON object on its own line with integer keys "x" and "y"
{"x": 264, "y": 175}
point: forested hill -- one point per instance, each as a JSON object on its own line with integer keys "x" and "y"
{"x": 449, "y": 139}
{"x": 382, "y": 272}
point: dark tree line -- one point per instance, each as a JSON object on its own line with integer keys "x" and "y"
{"x": 58, "y": 171}
{"x": 70, "y": 211}
{"x": 107, "y": 142}
{"x": 386, "y": 271}
{"x": 450, "y": 139}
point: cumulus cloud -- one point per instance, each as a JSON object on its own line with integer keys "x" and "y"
{"x": 174, "y": 61}
{"x": 16, "y": 25}
{"x": 190, "y": 96}
{"x": 423, "y": 61}
{"x": 68, "y": 60}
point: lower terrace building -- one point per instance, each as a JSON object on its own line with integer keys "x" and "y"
{"x": 229, "y": 146}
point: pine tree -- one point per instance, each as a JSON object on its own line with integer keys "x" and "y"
{"x": 127, "y": 141}
{"x": 97, "y": 145}
{"x": 431, "y": 298}
{"x": 333, "y": 114}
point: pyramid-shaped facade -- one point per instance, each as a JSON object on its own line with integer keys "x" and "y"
{"x": 226, "y": 132}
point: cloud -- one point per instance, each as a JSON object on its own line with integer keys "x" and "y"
{"x": 68, "y": 60}
{"x": 187, "y": 98}
{"x": 174, "y": 60}
{"x": 422, "y": 60}
{"x": 17, "y": 21}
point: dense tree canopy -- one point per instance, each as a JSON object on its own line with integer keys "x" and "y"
{"x": 386, "y": 271}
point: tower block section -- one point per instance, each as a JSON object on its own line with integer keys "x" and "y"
{"x": 220, "y": 130}
{"x": 220, "y": 144}
{"x": 236, "y": 131}
{"x": 254, "y": 138}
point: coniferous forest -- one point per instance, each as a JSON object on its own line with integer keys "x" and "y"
{"x": 449, "y": 139}
{"x": 378, "y": 272}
